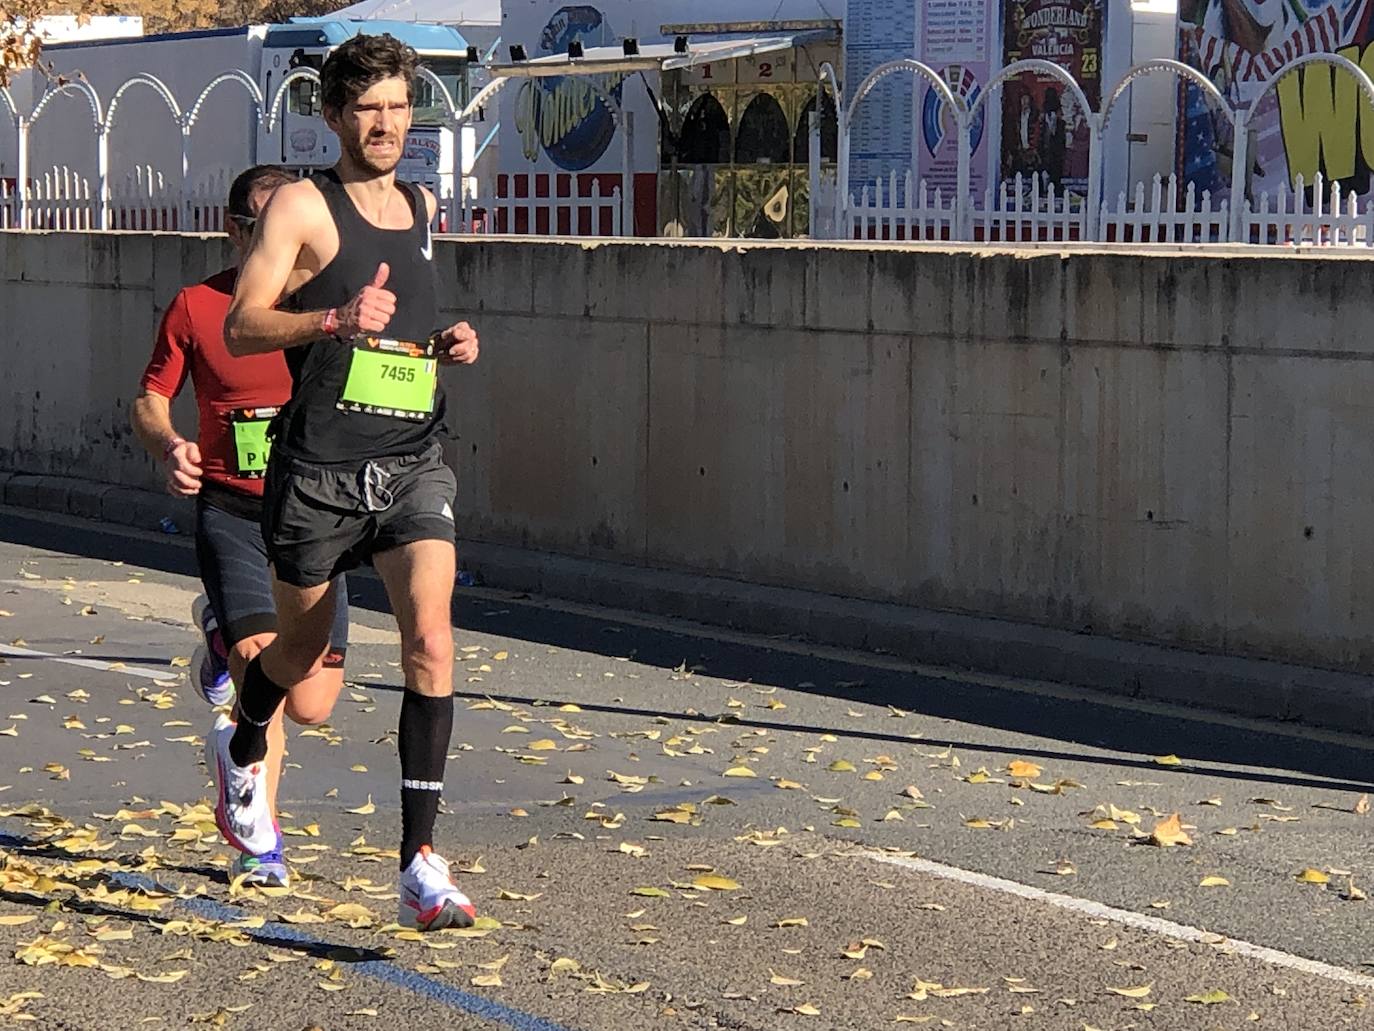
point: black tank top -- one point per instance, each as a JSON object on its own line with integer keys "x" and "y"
{"x": 312, "y": 428}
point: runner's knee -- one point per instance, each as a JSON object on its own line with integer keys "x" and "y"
{"x": 431, "y": 649}
{"x": 309, "y": 711}
{"x": 312, "y": 703}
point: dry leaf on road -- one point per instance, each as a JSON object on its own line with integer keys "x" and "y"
{"x": 1169, "y": 832}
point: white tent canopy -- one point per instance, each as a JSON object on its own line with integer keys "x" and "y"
{"x": 444, "y": 12}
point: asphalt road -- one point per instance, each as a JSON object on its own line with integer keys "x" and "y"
{"x": 665, "y": 825}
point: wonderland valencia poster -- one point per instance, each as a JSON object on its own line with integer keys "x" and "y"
{"x": 1044, "y": 132}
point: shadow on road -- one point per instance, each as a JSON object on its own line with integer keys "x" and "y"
{"x": 1285, "y": 758}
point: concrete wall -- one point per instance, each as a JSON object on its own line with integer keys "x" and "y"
{"x": 1165, "y": 446}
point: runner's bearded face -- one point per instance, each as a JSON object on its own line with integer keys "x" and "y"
{"x": 372, "y": 129}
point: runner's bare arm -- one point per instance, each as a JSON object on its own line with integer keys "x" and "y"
{"x": 253, "y": 325}
{"x": 278, "y": 262}
{"x": 151, "y": 417}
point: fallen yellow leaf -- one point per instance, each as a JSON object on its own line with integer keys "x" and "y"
{"x": 1313, "y": 876}
{"x": 1169, "y": 832}
{"x": 170, "y": 977}
{"x": 366, "y": 809}
{"x": 715, "y": 882}
{"x": 1211, "y": 998}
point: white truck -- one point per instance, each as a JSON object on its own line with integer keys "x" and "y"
{"x": 145, "y": 140}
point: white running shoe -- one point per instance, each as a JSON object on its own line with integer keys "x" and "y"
{"x": 430, "y": 901}
{"x": 241, "y": 808}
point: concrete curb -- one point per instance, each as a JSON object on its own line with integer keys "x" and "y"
{"x": 1221, "y": 683}
{"x": 1245, "y": 687}
{"x": 123, "y": 506}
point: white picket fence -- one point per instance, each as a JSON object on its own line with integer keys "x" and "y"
{"x": 1023, "y": 212}
{"x": 1162, "y": 219}
{"x": 63, "y": 199}
{"x": 1331, "y": 220}
{"x": 566, "y": 209}
{"x": 1029, "y": 213}
{"x": 895, "y": 211}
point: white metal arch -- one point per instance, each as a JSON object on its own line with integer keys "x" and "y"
{"x": 73, "y": 86}
{"x": 1033, "y": 64}
{"x": 831, "y": 78}
{"x": 483, "y": 96}
{"x": 237, "y": 75}
{"x": 10, "y": 105}
{"x": 917, "y": 68}
{"x": 1179, "y": 69}
{"x": 152, "y": 82}
{"x": 294, "y": 75}
{"x": 445, "y": 97}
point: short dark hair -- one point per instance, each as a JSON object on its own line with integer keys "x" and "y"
{"x": 259, "y": 177}
{"x": 362, "y": 62}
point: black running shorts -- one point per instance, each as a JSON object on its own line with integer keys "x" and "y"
{"x": 319, "y": 521}
{"x": 233, "y": 567}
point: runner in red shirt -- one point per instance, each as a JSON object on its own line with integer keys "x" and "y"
{"x": 223, "y": 470}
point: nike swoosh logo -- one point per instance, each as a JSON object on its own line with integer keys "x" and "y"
{"x": 427, "y": 251}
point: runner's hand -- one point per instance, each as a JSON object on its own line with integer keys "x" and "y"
{"x": 371, "y": 310}
{"x": 458, "y": 345}
{"x": 182, "y": 469}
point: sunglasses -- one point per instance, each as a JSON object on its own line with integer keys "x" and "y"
{"x": 244, "y": 222}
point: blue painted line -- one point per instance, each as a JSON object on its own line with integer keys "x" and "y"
{"x": 379, "y": 970}
{"x": 390, "y": 973}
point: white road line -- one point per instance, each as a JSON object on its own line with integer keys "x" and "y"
{"x": 164, "y": 675}
{"x": 1098, "y": 911}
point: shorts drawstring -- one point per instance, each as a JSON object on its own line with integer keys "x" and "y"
{"x": 372, "y": 479}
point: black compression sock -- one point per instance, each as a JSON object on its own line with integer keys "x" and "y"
{"x": 259, "y": 699}
{"x": 426, "y": 725}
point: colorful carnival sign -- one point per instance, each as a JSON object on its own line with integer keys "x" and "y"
{"x": 1313, "y": 120}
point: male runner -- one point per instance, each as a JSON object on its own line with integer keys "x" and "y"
{"x": 357, "y": 472}
{"x": 223, "y": 471}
